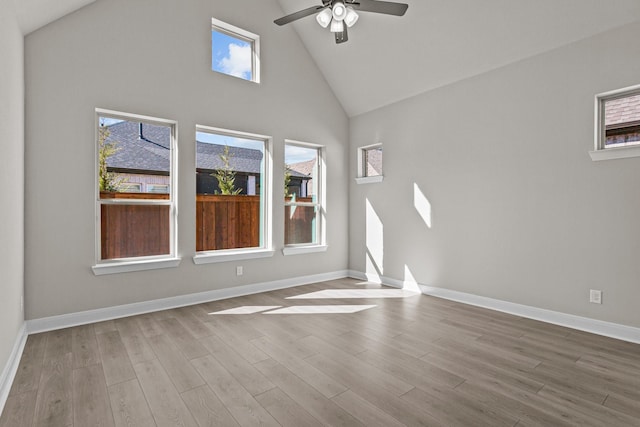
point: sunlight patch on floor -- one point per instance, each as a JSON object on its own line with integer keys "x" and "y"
{"x": 321, "y": 309}
{"x": 356, "y": 293}
{"x": 247, "y": 309}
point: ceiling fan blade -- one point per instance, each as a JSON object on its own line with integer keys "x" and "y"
{"x": 386, "y": 7}
{"x": 342, "y": 36}
{"x": 299, "y": 14}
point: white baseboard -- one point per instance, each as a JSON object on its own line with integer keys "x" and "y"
{"x": 109, "y": 313}
{"x": 11, "y": 367}
{"x": 599, "y": 327}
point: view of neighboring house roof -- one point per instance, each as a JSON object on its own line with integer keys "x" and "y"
{"x": 146, "y": 148}
{"x": 622, "y": 112}
{"x": 302, "y": 169}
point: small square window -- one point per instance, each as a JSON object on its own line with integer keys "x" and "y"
{"x": 370, "y": 164}
{"x": 234, "y": 51}
{"x": 617, "y": 124}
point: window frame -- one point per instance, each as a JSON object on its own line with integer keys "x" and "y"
{"x": 120, "y": 265}
{"x": 600, "y": 151}
{"x": 244, "y": 35}
{"x": 266, "y": 248}
{"x": 321, "y": 203}
{"x": 361, "y": 176}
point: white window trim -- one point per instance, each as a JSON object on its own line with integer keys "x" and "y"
{"x": 600, "y": 152}
{"x": 321, "y": 227}
{"x": 113, "y": 266}
{"x": 266, "y": 248}
{"x": 251, "y": 38}
{"x": 361, "y": 177}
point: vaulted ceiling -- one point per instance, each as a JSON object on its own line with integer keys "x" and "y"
{"x": 436, "y": 43}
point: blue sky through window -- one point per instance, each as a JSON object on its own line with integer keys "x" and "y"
{"x": 232, "y": 141}
{"x": 230, "y": 55}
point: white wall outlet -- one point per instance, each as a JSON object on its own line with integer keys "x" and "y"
{"x": 239, "y": 270}
{"x": 595, "y": 296}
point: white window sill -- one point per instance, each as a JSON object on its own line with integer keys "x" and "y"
{"x": 297, "y": 250}
{"x": 127, "y": 266}
{"x": 369, "y": 179}
{"x": 615, "y": 153}
{"x": 231, "y": 255}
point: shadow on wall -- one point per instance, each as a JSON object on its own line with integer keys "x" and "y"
{"x": 422, "y": 205}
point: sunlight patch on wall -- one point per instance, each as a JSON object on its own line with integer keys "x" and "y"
{"x": 422, "y": 205}
{"x": 410, "y": 282}
{"x": 374, "y": 244}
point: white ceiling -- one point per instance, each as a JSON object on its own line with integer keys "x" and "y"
{"x": 438, "y": 42}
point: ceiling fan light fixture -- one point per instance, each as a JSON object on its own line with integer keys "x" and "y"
{"x": 339, "y": 11}
{"x": 324, "y": 18}
{"x": 337, "y": 26}
{"x": 351, "y": 17}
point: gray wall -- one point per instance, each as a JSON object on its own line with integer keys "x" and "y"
{"x": 11, "y": 177}
{"x": 519, "y": 211}
{"x": 153, "y": 57}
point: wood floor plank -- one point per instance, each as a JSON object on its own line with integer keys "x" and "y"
{"x": 103, "y": 327}
{"x": 58, "y": 344}
{"x": 187, "y": 343}
{"x": 306, "y": 396}
{"x": 207, "y": 409}
{"x": 115, "y": 360}
{"x": 91, "y": 404}
{"x": 365, "y": 412}
{"x": 19, "y": 410}
{"x": 453, "y": 408}
{"x": 248, "y": 376}
{"x": 244, "y": 408}
{"x": 165, "y": 402}
{"x": 129, "y": 406}
{"x": 189, "y": 320}
{"x": 312, "y": 376}
{"x": 54, "y": 398}
{"x": 30, "y": 367}
{"x": 134, "y": 340}
{"x": 84, "y": 347}
{"x": 287, "y": 412}
{"x": 148, "y": 325}
{"x": 183, "y": 375}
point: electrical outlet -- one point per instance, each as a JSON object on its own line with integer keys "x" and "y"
{"x": 595, "y": 296}
{"x": 239, "y": 270}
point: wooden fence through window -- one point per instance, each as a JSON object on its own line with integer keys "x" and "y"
{"x": 222, "y": 222}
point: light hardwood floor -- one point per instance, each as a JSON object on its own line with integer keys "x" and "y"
{"x": 292, "y": 358}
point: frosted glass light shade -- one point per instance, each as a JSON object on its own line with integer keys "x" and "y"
{"x": 337, "y": 26}
{"x": 339, "y": 11}
{"x": 351, "y": 17}
{"x": 324, "y": 18}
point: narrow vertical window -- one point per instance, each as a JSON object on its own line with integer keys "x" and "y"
{"x": 136, "y": 202}
{"x": 304, "y": 198}
{"x": 235, "y": 51}
{"x": 232, "y": 180}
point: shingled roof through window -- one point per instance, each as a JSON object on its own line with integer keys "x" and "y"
{"x": 622, "y": 112}
{"x": 150, "y": 151}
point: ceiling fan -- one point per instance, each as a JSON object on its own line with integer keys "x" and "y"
{"x": 341, "y": 14}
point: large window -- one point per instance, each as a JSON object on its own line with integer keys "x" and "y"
{"x": 232, "y": 185}
{"x": 304, "y": 198}
{"x": 135, "y": 181}
{"x": 617, "y": 124}
{"x": 235, "y": 51}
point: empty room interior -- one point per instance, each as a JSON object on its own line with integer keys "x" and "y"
{"x": 321, "y": 212}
